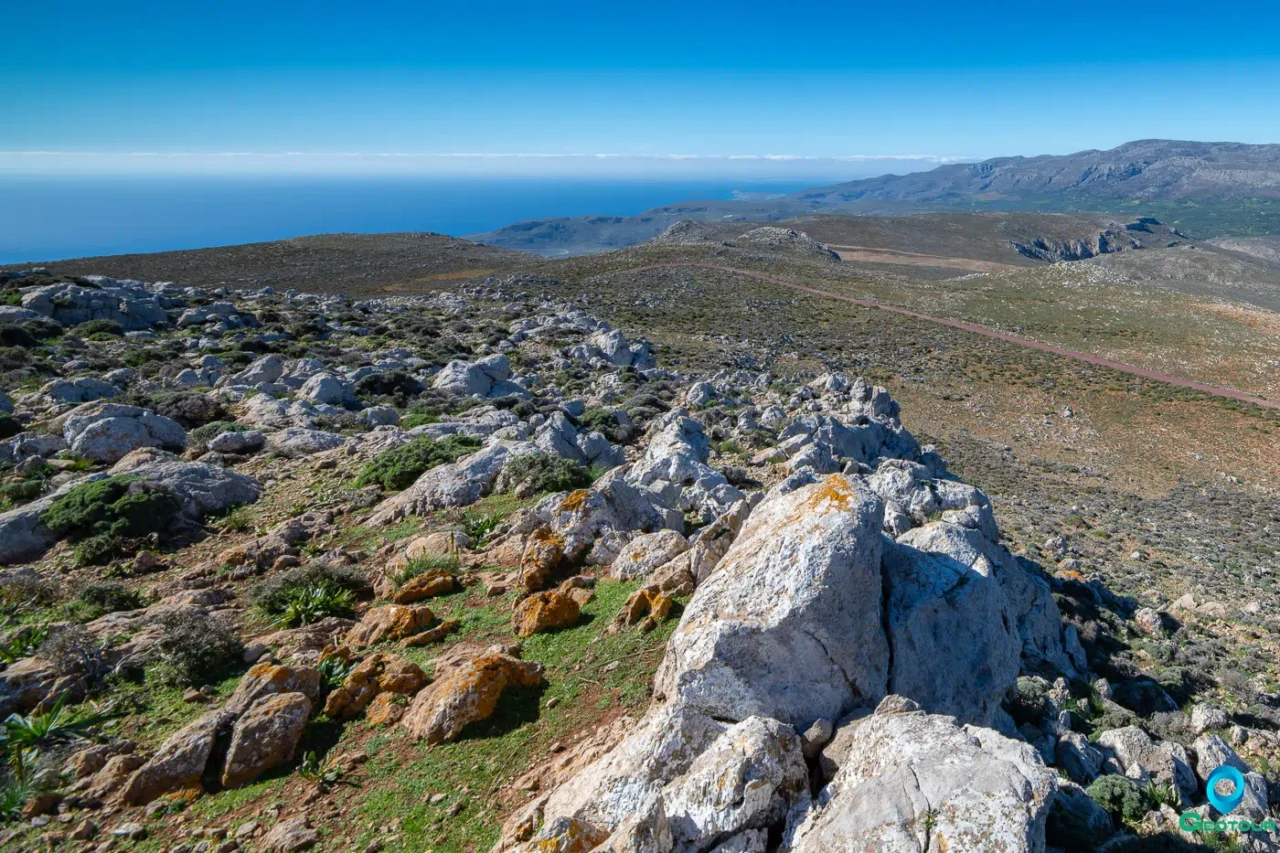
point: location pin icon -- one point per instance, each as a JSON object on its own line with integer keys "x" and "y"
{"x": 1225, "y": 803}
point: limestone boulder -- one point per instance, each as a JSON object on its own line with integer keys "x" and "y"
{"x": 179, "y": 762}
{"x": 389, "y": 623}
{"x": 642, "y": 555}
{"x": 107, "y": 432}
{"x": 748, "y": 778}
{"x": 919, "y": 782}
{"x": 467, "y": 693}
{"x": 544, "y": 611}
{"x": 955, "y": 647}
{"x": 265, "y": 736}
{"x": 788, "y": 626}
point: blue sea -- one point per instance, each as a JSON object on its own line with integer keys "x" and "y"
{"x": 51, "y": 218}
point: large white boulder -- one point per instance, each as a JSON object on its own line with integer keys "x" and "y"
{"x": 459, "y": 483}
{"x": 109, "y": 431}
{"x": 788, "y": 626}
{"x": 952, "y": 632}
{"x": 914, "y": 782}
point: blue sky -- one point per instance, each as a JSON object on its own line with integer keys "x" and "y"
{"x": 169, "y": 86}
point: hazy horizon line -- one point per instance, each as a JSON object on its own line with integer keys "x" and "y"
{"x": 533, "y": 164}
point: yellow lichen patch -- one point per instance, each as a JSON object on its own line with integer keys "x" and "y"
{"x": 836, "y": 491}
{"x": 575, "y": 500}
{"x": 543, "y": 611}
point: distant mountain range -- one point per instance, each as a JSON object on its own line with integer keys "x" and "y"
{"x": 1210, "y": 189}
{"x": 1149, "y": 169}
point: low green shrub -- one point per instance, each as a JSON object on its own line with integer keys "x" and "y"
{"x": 102, "y": 515}
{"x": 207, "y": 433}
{"x": 98, "y": 599}
{"x": 105, "y": 328}
{"x": 546, "y": 473}
{"x": 422, "y": 565}
{"x": 397, "y": 469}
{"x": 1120, "y": 798}
{"x": 196, "y": 649}
{"x": 605, "y": 422}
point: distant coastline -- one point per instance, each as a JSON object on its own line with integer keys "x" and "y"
{"x": 54, "y": 218}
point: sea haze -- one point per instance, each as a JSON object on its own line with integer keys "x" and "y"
{"x": 50, "y": 218}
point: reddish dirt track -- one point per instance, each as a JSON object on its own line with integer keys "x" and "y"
{"x": 1134, "y": 369}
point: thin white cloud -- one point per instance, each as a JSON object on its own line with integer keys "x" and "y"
{"x": 800, "y": 167}
{"x": 849, "y": 158}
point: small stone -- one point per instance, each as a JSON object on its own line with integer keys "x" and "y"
{"x": 816, "y": 737}
{"x": 131, "y": 831}
{"x": 437, "y": 798}
{"x": 1205, "y": 717}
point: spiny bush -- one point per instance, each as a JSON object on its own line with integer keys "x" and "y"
{"x": 101, "y": 515}
{"x": 72, "y": 650}
{"x": 196, "y": 648}
{"x": 396, "y": 469}
{"x": 98, "y": 599}
{"x": 274, "y": 595}
{"x": 106, "y": 328}
{"x": 1120, "y": 798}
{"x": 546, "y": 473}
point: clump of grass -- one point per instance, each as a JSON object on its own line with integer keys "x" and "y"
{"x": 315, "y": 602}
{"x": 397, "y": 469}
{"x": 21, "y": 642}
{"x": 103, "y": 515}
{"x": 287, "y": 591}
{"x": 422, "y": 565}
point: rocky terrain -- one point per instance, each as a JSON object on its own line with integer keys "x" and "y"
{"x": 631, "y": 557}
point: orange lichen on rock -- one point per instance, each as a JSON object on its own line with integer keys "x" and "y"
{"x": 644, "y": 607}
{"x": 543, "y": 611}
{"x": 467, "y": 693}
{"x": 575, "y": 500}
{"x": 543, "y": 554}
{"x": 427, "y": 585}
{"x": 393, "y": 622}
{"x": 378, "y": 674}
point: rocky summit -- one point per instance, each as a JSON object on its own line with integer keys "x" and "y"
{"x": 477, "y": 570}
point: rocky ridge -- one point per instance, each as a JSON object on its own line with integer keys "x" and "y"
{"x": 859, "y": 661}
